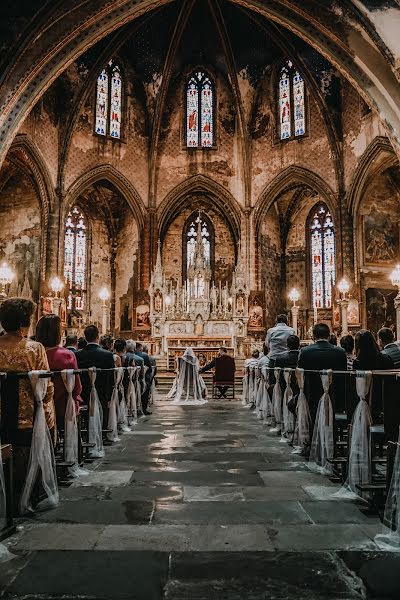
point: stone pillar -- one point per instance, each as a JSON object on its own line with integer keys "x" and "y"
{"x": 54, "y": 240}
{"x": 344, "y": 305}
{"x": 295, "y": 318}
{"x": 113, "y": 277}
{"x": 397, "y": 307}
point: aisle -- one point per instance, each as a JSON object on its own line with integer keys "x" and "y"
{"x": 196, "y": 503}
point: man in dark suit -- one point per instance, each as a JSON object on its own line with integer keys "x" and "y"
{"x": 71, "y": 343}
{"x": 93, "y": 355}
{"x": 148, "y": 377}
{"x": 288, "y": 360}
{"x": 222, "y": 356}
{"x": 318, "y": 356}
{"x": 389, "y": 346}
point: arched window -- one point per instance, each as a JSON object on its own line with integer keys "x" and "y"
{"x": 189, "y": 238}
{"x": 75, "y": 257}
{"x": 323, "y": 264}
{"x": 109, "y": 102}
{"x": 199, "y": 111}
{"x": 292, "y": 113}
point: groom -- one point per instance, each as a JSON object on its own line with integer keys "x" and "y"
{"x": 221, "y": 358}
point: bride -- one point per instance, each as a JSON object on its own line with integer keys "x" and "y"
{"x": 188, "y": 387}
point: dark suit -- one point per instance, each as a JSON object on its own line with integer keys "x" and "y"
{"x": 93, "y": 355}
{"x": 285, "y": 360}
{"x": 148, "y": 378}
{"x": 224, "y": 366}
{"x": 319, "y": 356}
{"x": 393, "y": 350}
{"x": 71, "y": 349}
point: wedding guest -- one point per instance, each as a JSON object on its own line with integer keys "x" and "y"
{"x": 347, "y": 343}
{"x": 71, "y": 343}
{"x": 81, "y": 343}
{"x": 21, "y": 355}
{"x": 119, "y": 352}
{"x": 148, "y": 376}
{"x": 131, "y": 355}
{"x": 226, "y": 364}
{"x": 48, "y": 333}
{"x": 389, "y": 346}
{"x": 277, "y": 336}
{"x": 253, "y": 361}
{"x": 333, "y": 339}
{"x": 263, "y": 361}
{"x": 106, "y": 342}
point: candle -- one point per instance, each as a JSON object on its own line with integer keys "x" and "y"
{"x": 315, "y": 315}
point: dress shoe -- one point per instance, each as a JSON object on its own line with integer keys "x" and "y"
{"x": 147, "y": 412}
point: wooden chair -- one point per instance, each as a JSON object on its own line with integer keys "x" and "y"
{"x": 224, "y": 376}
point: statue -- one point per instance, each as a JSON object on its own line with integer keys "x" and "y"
{"x": 199, "y": 326}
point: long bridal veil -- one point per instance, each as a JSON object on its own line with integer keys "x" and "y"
{"x": 189, "y": 387}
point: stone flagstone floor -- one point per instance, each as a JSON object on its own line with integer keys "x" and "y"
{"x": 200, "y": 503}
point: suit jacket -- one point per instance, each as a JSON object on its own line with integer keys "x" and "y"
{"x": 318, "y": 356}
{"x": 208, "y": 366}
{"x": 94, "y": 355}
{"x": 147, "y": 363}
{"x": 393, "y": 350}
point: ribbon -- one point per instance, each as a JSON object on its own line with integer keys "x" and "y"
{"x": 95, "y": 417}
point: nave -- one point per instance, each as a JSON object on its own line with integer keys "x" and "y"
{"x": 199, "y": 503}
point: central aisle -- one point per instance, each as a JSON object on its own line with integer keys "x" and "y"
{"x": 196, "y": 503}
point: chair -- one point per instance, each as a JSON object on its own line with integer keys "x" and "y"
{"x": 224, "y": 375}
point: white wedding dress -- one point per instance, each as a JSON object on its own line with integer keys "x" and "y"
{"x": 188, "y": 387}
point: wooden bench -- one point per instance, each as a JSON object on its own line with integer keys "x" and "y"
{"x": 7, "y": 460}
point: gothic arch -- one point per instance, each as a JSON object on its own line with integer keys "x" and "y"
{"x": 219, "y": 198}
{"x": 24, "y": 152}
{"x": 377, "y": 157}
{"x": 286, "y": 180}
{"x": 115, "y": 177}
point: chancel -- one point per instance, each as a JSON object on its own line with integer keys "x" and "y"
{"x": 199, "y": 299}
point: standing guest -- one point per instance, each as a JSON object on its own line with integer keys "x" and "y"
{"x": 318, "y": 356}
{"x": 20, "y": 355}
{"x": 277, "y": 336}
{"x": 71, "y": 343}
{"x": 347, "y": 343}
{"x": 389, "y": 346}
{"x": 369, "y": 358}
{"x": 81, "y": 343}
{"x": 148, "y": 376}
{"x": 93, "y": 355}
{"x": 263, "y": 361}
{"x": 48, "y": 333}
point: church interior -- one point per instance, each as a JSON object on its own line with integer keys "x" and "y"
{"x": 180, "y": 172}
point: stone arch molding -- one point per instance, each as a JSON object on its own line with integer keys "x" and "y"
{"x": 108, "y": 172}
{"x": 23, "y": 146}
{"x": 63, "y": 33}
{"x": 288, "y": 179}
{"x": 378, "y": 156}
{"x": 221, "y": 199}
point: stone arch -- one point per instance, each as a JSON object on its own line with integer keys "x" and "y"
{"x": 378, "y": 156}
{"x": 24, "y": 152}
{"x": 290, "y": 178}
{"x": 218, "y": 196}
{"x": 109, "y": 173}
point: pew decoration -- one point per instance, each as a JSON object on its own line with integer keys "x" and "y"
{"x": 140, "y": 389}
{"x": 245, "y": 387}
{"x": 131, "y": 397}
{"x": 288, "y": 417}
{"x": 95, "y": 418}
{"x": 41, "y": 457}
{"x": 389, "y": 539}
{"x": 122, "y": 411}
{"x": 263, "y": 403}
{"x": 112, "y": 426}
{"x": 301, "y": 438}
{"x": 322, "y": 445}
{"x": 71, "y": 434}
{"x": 359, "y": 461}
{"x": 277, "y": 402}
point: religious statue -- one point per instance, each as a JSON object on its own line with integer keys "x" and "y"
{"x": 158, "y": 301}
{"x": 199, "y": 326}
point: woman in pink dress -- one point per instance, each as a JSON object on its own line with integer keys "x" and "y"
{"x": 48, "y": 333}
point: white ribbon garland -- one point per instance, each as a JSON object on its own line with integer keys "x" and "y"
{"x": 112, "y": 435}
{"x": 42, "y": 453}
{"x": 277, "y": 402}
{"x": 122, "y": 408}
{"x": 71, "y": 434}
{"x": 287, "y": 416}
{"x": 303, "y": 421}
{"x": 95, "y": 418}
{"x": 131, "y": 400}
{"x": 322, "y": 443}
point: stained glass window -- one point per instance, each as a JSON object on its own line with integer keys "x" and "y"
{"x": 75, "y": 257}
{"x": 109, "y": 102}
{"x": 291, "y": 93}
{"x": 199, "y": 111}
{"x": 323, "y": 267}
{"x": 192, "y": 237}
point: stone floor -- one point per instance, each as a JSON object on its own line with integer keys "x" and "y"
{"x": 200, "y": 503}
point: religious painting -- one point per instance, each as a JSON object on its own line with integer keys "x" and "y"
{"x": 255, "y": 318}
{"x": 353, "y": 312}
{"x": 381, "y": 238}
{"x": 380, "y": 309}
{"x": 142, "y": 316}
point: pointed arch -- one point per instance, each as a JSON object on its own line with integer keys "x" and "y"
{"x": 288, "y": 179}
{"x": 219, "y": 198}
{"x": 110, "y": 173}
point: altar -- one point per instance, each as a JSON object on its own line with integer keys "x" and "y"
{"x": 196, "y": 311}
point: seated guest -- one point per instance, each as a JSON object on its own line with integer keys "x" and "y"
{"x": 48, "y": 333}
{"x": 131, "y": 356}
{"x": 93, "y": 355}
{"x": 277, "y": 336}
{"x": 318, "y": 356}
{"x": 253, "y": 361}
{"x": 389, "y": 346}
{"x": 106, "y": 342}
{"x": 71, "y": 343}
{"x": 20, "y": 355}
{"x": 81, "y": 343}
{"x": 148, "y": 377}
{"x": 286, "y": 360}
{"x": 333, "y": 339}
{"x": 263, "y": 361}
{"x": 369, "y": 358}
{"x": 347, "y": 343}
{"x": 119, "y": 351}
{"x": 222, "y": 356}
